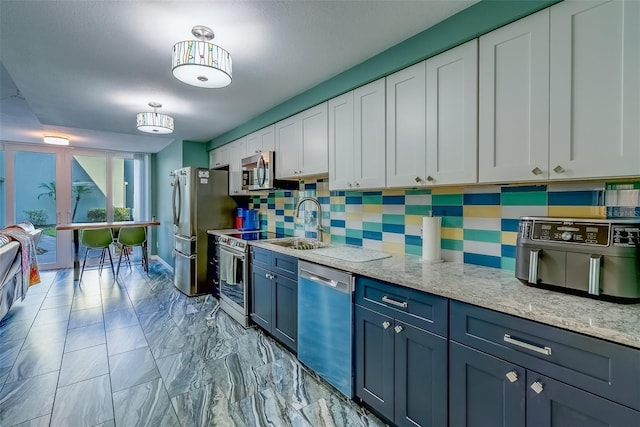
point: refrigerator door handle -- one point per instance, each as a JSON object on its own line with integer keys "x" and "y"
{"x": 177, "y": 196}
{"x": 184, "y": 255}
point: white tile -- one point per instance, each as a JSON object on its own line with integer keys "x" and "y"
{"x": 492, "y": 224}
{"x": 481, "y": 189}
{"x": 393, "y": 237}
{"x": 417, "y": 199}
{"x": 452, "y": 256}
{"x": 393, "y": 209}
{"x": 372, "y": 244}
{"x": 576, "y": 186}
{"x": 515, "y": 212}
{"x": 483, "y": 248}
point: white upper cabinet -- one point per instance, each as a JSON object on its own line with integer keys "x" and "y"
{"x": 406, "y": 130}
{"x": 595, "y": 89}
{"x": 452, "y": 116}
{"x": 262, "y": 140}
{"x": 357, "y": 138}
{"x": 220, "y": 157}
{"x": 237, "y": 151}
{"x": 302, "y": 147}
{"x": 514, "y": 101}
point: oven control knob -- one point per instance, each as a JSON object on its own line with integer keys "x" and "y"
{"x": 566, "y": 236}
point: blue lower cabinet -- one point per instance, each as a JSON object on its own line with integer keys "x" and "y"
{"x": 484, "y": 390}
{"x": 274, "y": 295}
{"x": 401, "y": 370}
{"x": 551, "y": 403}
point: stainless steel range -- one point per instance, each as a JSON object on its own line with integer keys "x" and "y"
{"x": 233, "y": 272}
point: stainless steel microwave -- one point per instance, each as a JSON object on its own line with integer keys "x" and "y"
{"x": 258, "y": 173}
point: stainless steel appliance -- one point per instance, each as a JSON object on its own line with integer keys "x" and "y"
{"x": 325, "y": 323}
{"x": 258, "y": 173}
{"x": 585, "y": 256}
{"x": 200, "y": 202}
{"x": 233, "y": 272}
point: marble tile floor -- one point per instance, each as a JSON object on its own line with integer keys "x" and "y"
{"x": 137, "y": 352}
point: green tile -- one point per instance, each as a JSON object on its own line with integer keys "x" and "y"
{"x": 413, "y": 250}
{"x": 417, "y": 191}
{"x": 289, "y": 206}
{"x": 337, "y": 208}
{"x": 622, "y": 185}
{"x": 338, "y": 239}
{"x": 393, "y": 219}
{"x": 279, "y": 224}
{"x": 371, "y": 226}
{"x": 353, "y": 193}
{"x": 371, "y": 200}
{"x": 352, "y": 232}
{"x": 488, "y": 236}
{"x": 530, "y": 198}
{"x": 422, "y": 210}
{"x": 508, "y": 264}
{"x": 451, "y": 244}
{"x": 452, "y": 221}
{"x": 447, "y": 199}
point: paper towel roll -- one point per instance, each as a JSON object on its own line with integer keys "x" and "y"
{"x": 431, "y": 238}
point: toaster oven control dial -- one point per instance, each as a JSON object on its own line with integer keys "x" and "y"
{"x": 566, "y": 236}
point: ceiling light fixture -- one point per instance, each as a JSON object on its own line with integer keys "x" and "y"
{"x": 154, "y": 122}
{"x": 56, "y": 140}
{"x": 200, "y": 63}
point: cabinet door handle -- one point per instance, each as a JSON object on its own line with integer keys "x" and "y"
{"x": 536, "y": 171}
{"x": 357, "y": 184}
{"x": 386, "y": 324}
{"x": 402, "y": 304}
{"x": 430, "y": 178}
{"x": 558, "y": 169}
{"x": 349, "y": 185}
{"x": 398, "y": 329}
{"x": 544, "y": 350}
{"x": 537, "y": 387}
{"x": 512, "y": 376}
{"x": 418, "y": 179}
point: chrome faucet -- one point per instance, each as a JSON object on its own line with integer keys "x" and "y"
{"x": 319, "y": 227}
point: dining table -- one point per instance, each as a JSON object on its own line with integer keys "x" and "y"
{"x": 114, "y": 225}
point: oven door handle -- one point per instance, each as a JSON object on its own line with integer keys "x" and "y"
{"x": 233, "y": 253}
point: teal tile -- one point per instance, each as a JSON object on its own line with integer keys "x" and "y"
{"x": 292, "y": 206}
{"x": 338, "y": 239}
{"x": 508, "y": 264}
{"x": 413, "y": 250}
{"x": 372, "y": 200}
{"x": 452, "y": 221}
{"x": 530, "y": 198}
{"x": 451, "y": 244}
{"x": 447, "y": 199}
{"x": 488, "y": 236}
{"x": 352, "y": 232}
{"x": 417, "y": 191}
{"x": 393, "y": 219}
{"x": 371, "y": 226}
{"x": 337, "y": 208}
{"x": 279, "y": 224}
{"x": 422, "y": 210}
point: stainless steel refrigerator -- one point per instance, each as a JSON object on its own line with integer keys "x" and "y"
{"x": 201, "y": 202}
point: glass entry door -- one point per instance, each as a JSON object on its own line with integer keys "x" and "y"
{"x": 35, "y": 191}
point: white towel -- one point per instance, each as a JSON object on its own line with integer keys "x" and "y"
{"x": 226, "y": 267}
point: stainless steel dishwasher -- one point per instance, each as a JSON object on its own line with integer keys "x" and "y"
{"x": 325, "y": 323}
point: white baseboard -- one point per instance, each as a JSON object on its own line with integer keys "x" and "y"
{"x": 161, "y": 261}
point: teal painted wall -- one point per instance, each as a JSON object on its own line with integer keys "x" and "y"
{"x": 163, "y": 163}
{"x": 470, "y": 23}
{"x": 195, "y": 154}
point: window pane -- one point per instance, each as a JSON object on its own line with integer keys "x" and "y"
{"x": 88, "y": 189}
{"x": 122, "y": 172}
{"x": 35, "y": 198}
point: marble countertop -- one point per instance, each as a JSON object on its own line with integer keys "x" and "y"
{"x": 493, "y": 289}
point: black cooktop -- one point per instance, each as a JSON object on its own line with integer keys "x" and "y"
{"x": 254, "y": 235}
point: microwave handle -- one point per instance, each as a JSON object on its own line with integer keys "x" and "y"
{"x": 262, "y": 165}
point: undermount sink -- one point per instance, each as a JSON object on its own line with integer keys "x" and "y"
{"x": 299, "y": 244}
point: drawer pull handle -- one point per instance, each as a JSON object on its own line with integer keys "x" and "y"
{"x": 402, "y": 304}
{"x": 398, "y": 329}
{"x": 512, "y": 376}
{"x": 386, "y": 324}
{"x": 537, "y": 387}
{"x": 544, "y": 350}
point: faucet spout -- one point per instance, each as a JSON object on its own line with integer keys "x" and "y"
{"x": 319, "y": 227}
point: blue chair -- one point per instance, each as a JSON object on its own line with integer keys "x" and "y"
{"x": 130, "y": 237}
{"x": 97, "y": 239}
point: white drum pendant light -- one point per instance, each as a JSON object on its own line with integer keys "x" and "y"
{"x": 200, "y": 63}
{"x": 153, "y": 122}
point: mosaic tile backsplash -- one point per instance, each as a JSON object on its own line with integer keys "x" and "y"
{"x": 479, "y": 223}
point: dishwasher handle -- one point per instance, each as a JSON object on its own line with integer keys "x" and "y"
{"x": 316, "y": 278}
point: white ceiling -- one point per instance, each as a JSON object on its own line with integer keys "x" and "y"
{"x": 85, "y": 68}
